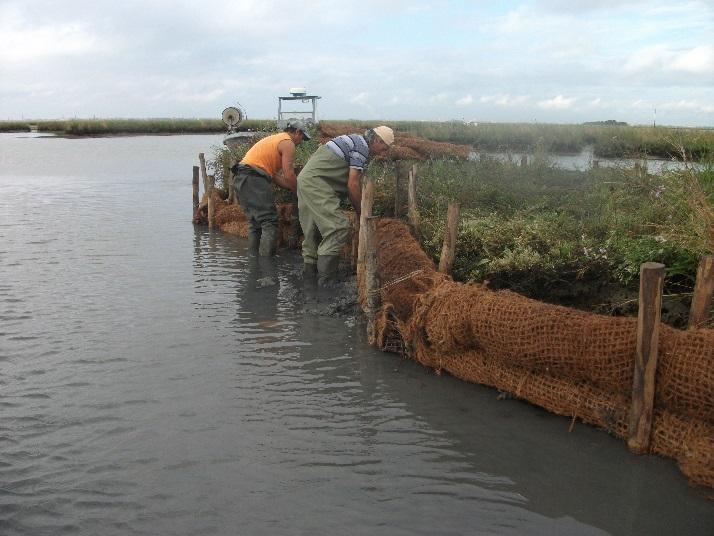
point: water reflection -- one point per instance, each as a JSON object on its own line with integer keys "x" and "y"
{"x": 342, "y": 427}
{"x": 584, "y": 160}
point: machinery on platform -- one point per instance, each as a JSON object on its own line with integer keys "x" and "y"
{"x": 298, "y": 95}
{"x": 233, "y": 116}
{"x": 303, "y": 107}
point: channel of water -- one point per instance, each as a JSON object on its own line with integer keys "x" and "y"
{"x": 148, "y": 387}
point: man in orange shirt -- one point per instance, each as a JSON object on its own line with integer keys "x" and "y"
{"x": 270, "y": 160}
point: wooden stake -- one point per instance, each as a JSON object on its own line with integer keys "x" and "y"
{"x": 366, "y": 212}
{"x": 355, "y": 242}
{"x": 195, "y": 189}
{"x": 211, "y": 205}
{"x": 232, "y": 199}
{"x": 401, "y": 181}
{"x": 413, "y": 211}
{"x": 524, "y": 160}
{"x": 643, "y": 384}
{"x": 448, "y": 250}
{"x": 371, "y": 277}
{"x": 703, "y": 291}
{"x": 204, "y": 173}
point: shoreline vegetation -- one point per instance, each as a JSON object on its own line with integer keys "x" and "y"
{"x": 608, "y": 139}
{"x": 569, "y": 237}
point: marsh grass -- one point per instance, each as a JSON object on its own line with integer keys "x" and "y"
{"x": 574, "y": 237}
{"x": 14, "y": 126}
{"x": 106, "y": 127}
{"x": 608, "y": 141}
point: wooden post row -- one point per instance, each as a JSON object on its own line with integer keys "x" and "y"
{"x": 195, "y": 188}
{"x": 413, "y": 211}
{"x": 365, "y": 212}
{"x": 204, "y": 173}
{"x": 371, "y": 277}
{"x": 643, "y": 383}
{"x": 228, "y": 174}
{"x": 400, "y": 188}
{"x": 703, "y": 291}
{"x": 211, "y": 205}
{"x": 448, "y": 250}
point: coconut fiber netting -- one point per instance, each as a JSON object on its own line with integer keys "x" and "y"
{"x": 569, "y": 362}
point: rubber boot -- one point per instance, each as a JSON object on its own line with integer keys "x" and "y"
{"x": 309, "y": 272}
{"x": 253, "y": 241}
{"x": 327, "y": 266}
{"x": 268, "y": 272}
{"x": 268, "y": 242}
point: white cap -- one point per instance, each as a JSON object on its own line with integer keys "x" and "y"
{"x": 385, "y": 133}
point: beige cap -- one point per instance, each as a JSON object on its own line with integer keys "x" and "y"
{"x": 386, "y": 133}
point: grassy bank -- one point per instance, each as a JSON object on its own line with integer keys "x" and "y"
{"x": 575, "y": 238}
{"x": 108, "y": 127}
{"x": 14, "y": 126}
{"x": 99, "y": 127}
{"x": 608, "y": 141}
{"x": 570, "y": 237}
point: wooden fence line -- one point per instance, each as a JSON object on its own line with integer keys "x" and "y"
{"x": 643, "y": 383}
{"x": 703, "y": 290}
{"x": 448, "y": 250}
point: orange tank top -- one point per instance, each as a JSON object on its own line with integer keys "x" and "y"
{"x": 264, "y": 154}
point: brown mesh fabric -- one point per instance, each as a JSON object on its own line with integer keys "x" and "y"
{"x": 685, "y": 372}
{"x": 569, "y": 362}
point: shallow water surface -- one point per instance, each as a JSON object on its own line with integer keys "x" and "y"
{"x": 147, "y": 387}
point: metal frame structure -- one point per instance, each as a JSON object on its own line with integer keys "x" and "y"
{"x": 309, "y": 115}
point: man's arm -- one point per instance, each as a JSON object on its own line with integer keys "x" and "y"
{"x": 287, "y": 179}
{"x": 354, "y": 189}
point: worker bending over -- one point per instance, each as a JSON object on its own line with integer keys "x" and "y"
{"x": 271, "y": 159}
{"x": 333, "y": 174}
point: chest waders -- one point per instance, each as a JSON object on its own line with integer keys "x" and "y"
{"x": 321, "y": 185}
{"x": 255, "y": 194}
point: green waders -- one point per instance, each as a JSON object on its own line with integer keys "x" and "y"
{"x": 321, "y": 185}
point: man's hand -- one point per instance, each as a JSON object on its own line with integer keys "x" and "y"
{"x": 288, "y": 180}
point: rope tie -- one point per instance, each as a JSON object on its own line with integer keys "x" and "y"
{"x": 396, "y": 281}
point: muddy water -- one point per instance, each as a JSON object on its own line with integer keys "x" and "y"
{"x": 147, "y": 387}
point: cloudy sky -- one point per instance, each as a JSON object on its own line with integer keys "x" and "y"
{"x": 557, "y": 61}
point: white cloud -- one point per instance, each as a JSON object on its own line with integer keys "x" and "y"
{"x": 208, "y": 96}
{"x": 697, "y": 60}
{"x": 688, "y": 105}
{"x": 439, "y": 98}
{"x": 44, "y": 42}
{"x": 557, "y": 103}
{"x": 360, "y": 98}
{"x": 544, "y": 58}
{"x": 505, "y": 100}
